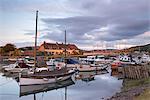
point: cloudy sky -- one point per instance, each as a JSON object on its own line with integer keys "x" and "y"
{"x": 90, "y": 24}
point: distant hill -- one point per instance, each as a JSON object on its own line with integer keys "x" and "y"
{"x": 145, "y": 48}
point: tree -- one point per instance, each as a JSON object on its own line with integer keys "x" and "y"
{"x": 1, "y": 51}
{"x": 16, "y": 52}
{"x": 9, "y": 47}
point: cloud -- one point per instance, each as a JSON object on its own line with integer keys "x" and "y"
{"x": 88, "y": 22}
{"x": 121, "y": 20}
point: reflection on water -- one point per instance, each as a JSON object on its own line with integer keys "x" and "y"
{"x": 86, "y": 86}
{"x": 32, "y": 89}
{"x": 114, "y": 73}
{"x": 89, "y": 76}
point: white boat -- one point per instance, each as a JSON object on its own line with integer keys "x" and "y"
{"x": 15, "y": 70}
{"x": 74, "y": 64}
{"x": 50, "y": 62}
{"x": 9, "y": 66}
{"x": 78, "y": 66}
{"x": 59, "y": 63}
{"x": 102, "y": 66}
{"x": 88, "y": 68}
{"x": 17, "y": 67}
{"x": 95, "y": 59}
{"x": 29, "y": 61}
{"x": 36, "y": 81}
{"x": 126, "y": 59}
{"x": 45, "y": 77}
{"x": 10, "y": 60}
{"x": 32, "y": 89}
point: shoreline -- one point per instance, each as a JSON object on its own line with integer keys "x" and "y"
{"x": 136, "y": 83}
{"x": 133, "y": 90}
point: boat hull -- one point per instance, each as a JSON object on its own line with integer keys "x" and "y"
{"x": 87, "y": 68}
{"x": 32, "y": 89}
{"x": 36, "y": 81}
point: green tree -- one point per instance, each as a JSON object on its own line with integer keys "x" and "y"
{"x": 9, "y": 47}
{"x": 16, "y": 52}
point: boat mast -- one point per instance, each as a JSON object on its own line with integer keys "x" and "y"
{"x": 66, "y": 93}
{"x": 65, "y": 50}
{"x": 65, "y": 64}
{"x": 35, "y": 48}
{"x": 34, "y": 96}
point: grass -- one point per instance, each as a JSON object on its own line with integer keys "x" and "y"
{"x": 128, "y": 83}
{"x": 144, "y": 96}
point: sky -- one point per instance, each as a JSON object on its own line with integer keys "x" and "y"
{"x": 90, "y": 24}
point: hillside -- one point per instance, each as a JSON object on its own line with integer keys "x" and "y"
{"x": 145, "y": 48}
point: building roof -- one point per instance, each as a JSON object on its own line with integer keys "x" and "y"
{"x": 28, "y": 48}
{"x": 59, "y": 46}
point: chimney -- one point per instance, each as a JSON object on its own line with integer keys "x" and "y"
{"x": 44, "y": 44}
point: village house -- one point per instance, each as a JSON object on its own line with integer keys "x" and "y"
{"x": 58, "y": 48}
{"x": 101, "y": 52}
{"x": 29, "y": 51}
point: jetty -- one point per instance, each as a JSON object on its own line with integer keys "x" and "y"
{"x": 135, "y": 71}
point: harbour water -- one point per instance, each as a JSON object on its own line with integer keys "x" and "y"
{"x": 101, "y": 86}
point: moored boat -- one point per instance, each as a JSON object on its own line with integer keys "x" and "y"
{"x": 115, "y": 65}
{"x": 32, "y": 89}
{"x": 45, "y": 77}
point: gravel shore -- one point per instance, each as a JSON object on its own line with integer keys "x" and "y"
{"x": 129, "y": 94}
{"x": 132, "y": 92}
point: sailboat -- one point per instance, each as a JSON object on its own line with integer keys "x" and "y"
{"x": 33, "y": 89}
{"x": 44, "y": 76}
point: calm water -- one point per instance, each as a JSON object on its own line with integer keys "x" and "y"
{"x": 102, "y": 86}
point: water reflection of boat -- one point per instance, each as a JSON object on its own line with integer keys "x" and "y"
{"x": 114, "y": 73}
{"x": 88, "y": 79}
{"x": 89, "y": 76}
{"x": 85, "y": 75}
{"x": 32, "y": 89}
{"x": 117, "y": 73}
